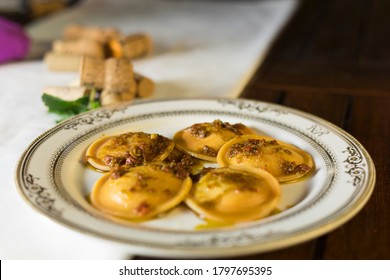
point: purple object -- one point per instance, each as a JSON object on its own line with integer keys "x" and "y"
{"x": 14, "y": 42}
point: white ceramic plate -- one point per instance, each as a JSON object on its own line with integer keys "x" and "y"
{"x": 54, "y": 180}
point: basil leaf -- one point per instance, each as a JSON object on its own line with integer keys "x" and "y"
{"x": 63, "y": 107}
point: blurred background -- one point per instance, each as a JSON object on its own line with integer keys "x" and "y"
{"x": 25, "y": 11}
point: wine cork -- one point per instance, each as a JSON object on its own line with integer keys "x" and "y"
{"x": 132, "y": 46}
{"x": 80, "y": 47}
{"x": 92, "y": 72}
{"x": 145, "y": 86}
{"x": 108, "y": 98}
{"x": 111, "y": 97}
{"x": 119, "y": 75}
{"x": 62, "y": 62}
{"x": 119, "y": 84}
{"x": 102, "y": 35}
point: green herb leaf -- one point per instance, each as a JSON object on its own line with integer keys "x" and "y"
{"x": 66, "y": 109}
{"x": 59, "y": 106}
{"x": 94, "y": 105}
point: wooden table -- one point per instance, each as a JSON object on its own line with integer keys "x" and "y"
{"x": 333, "y": 60}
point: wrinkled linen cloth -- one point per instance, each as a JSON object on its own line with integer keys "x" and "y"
{"x": 202, "y": 49}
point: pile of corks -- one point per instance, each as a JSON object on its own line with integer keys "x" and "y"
{"x": 103, "y": 57}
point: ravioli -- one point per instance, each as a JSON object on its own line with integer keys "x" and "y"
{"x": 140, "y": 193}
{"x": 284, "y": 161}
{"x": 185, "y": 161}
{"x": 203, "y": 140}
{"x": 130, "y": 149}
{"x": 234, "y": 194}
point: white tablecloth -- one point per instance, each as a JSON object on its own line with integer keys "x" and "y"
{"x": 203, "y": 49}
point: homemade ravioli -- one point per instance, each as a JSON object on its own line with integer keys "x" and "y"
{"x": 203, "y": 140}
{"x": 140, "y": 193}
{"x": 234, "y": 194}
{"x": 284, "y": 161}
{"x": 184, "y": 161}
{"x": 130, "y": 149}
